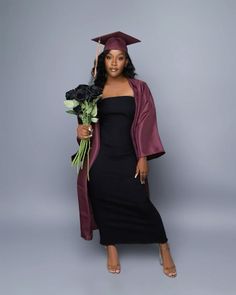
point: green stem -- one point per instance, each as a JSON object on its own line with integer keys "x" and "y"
{"x": 83, "y": 153}
{"x": 77, "y": 159}
{"x": 88, "y": 160}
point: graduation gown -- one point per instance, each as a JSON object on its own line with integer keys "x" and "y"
{"x": 146, "y": 141}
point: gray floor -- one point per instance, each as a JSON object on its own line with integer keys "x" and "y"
{"x": 43, "y": 253}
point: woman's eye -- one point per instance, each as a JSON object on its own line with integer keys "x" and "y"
{"x": 108, "y": 57}
{"x": 121, "y": 58}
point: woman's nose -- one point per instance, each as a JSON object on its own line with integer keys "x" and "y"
{"x": 113, "y": 62}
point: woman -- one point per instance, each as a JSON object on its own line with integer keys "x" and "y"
{"x": 116, "y": 198}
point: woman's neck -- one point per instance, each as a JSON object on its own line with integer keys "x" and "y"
{"x": 116, "y": 80}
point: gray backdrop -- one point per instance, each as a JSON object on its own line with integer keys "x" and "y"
{"x": 187, "y": 57}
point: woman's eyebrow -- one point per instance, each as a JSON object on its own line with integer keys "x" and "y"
{"x": 119, "y": 54}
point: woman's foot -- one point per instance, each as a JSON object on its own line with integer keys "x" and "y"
{"x": 113, "y": 264}
{"x": 166, "y": 260}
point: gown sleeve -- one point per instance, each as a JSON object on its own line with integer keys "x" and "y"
{"x": 147, "y": 136}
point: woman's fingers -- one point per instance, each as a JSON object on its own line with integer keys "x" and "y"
{"x": 89, "y": 131}
{"x": 84, "y": 131}
{"x": 90, "y": 128}
{"x": 142, "y": 175}
{"x": 137, "y": 171}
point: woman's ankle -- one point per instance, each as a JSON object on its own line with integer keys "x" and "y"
{"x": 112, "y": 246}
{"x": 164, "y": 245}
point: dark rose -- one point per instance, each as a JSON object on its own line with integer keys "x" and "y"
{"x": 71, "y": 94}
{"x": 84, "y": 92}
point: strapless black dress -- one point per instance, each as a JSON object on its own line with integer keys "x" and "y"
{"x": 121, "y": 204}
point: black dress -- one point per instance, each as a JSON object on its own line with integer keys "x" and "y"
{"x": 121, "y": 204}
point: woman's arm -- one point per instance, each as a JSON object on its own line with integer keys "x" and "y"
{"x": 148, "y": 141}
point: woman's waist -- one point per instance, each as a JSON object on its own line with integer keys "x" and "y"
{"x": 113, "y": 150}
{"x": 116, "y": 140}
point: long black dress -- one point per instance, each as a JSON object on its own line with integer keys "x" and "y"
{"x": 121, "y": 204}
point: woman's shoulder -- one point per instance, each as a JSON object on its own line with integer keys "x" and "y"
{"x": 139, "y": 82}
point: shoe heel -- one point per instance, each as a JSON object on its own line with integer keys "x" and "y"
{"x": 170, "y": 275}
{"x": 117, "y": 270}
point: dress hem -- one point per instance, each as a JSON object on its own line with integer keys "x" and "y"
{"x": 134, "y": 242}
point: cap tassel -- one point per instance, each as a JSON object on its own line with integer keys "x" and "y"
{"x": 96, "y": 60}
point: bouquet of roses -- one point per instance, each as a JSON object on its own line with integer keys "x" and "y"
{"x": 82, "y": 102}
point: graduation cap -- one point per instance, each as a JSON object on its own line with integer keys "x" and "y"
{"x": 117, "y": 40}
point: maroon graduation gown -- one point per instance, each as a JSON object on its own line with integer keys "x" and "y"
{"x": 146, "y": 141}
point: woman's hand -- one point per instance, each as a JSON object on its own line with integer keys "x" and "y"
{"x": 84, "y": 131}
{"x": 142, "y": 169}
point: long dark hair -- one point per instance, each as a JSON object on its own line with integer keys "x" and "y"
{"x": 101, "y": 77}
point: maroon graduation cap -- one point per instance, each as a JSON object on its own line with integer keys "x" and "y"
{"x": 116, "y": 40}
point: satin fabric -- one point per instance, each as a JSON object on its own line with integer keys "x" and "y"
{"x": 146, "y": 141}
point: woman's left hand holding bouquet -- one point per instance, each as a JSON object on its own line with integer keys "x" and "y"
{"x": 82, "y": 102}
{"x": 84, "y": 131}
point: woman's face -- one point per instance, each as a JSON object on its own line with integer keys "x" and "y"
{"x": 115, "y": 61}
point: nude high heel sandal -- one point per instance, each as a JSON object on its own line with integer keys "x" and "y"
{"x": 115, "y": 269}
{"x": 169, "y": 271}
